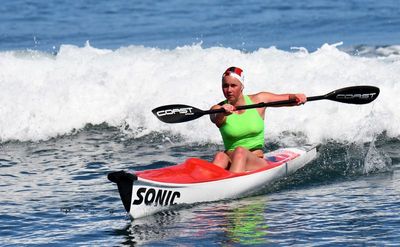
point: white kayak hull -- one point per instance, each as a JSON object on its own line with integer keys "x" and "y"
{"x": 142, "y": 196}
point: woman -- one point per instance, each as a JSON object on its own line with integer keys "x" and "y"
{"x": 243, "y": 130}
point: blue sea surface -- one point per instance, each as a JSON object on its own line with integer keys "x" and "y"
{"x": 250, "y": 25}
{"x": 78, "y": 80}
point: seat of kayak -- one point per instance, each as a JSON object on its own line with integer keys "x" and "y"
{"x": 195, "y": 170}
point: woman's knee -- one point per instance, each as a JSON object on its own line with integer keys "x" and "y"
{"x": 240, "y": 152}
{"x": 221, "y": 159}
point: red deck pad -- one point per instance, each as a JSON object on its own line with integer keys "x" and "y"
{"x": 195, "y": 170}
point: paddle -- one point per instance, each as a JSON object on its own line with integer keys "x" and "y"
{"x": 351, "y": 95}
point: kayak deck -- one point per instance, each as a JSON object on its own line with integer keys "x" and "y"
{"x": 195, "y": 170}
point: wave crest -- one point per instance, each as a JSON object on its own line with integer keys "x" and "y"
{"x": 44, "y": 95}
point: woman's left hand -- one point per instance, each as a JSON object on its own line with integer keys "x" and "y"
{"x": 300, "y": 98}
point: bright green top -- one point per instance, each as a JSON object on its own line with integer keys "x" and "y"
{"x": 243, "y": 130}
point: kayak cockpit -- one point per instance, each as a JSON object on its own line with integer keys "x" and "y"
{"x": 195, "y": 170}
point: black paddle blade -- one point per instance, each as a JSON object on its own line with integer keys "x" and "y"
{"x": 177, "y": 113}
{"x": 354, "y": 95}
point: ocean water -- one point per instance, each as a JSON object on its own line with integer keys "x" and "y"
{"x": 78, "y": 81}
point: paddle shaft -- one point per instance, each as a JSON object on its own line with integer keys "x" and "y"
{"x": 262, "y": 104}
{"x": 179, "y": 113}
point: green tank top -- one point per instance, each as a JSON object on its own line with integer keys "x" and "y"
{"x": 243, "y": 130}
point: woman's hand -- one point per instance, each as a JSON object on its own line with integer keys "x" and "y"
{"x": 299, "y": 98}
{"x": 229, "y": 109}
{"x": 219, "y": 118}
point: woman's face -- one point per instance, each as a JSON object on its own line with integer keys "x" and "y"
{"x": 232, "y": 89}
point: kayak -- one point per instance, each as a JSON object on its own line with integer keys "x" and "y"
{"x": 146, "y": 192}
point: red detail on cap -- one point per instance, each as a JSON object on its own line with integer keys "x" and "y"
{"x": 235, "y": 70}
{"x": 238, "y": 71}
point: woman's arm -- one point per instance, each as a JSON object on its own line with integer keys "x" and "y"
{"x": 266, "y": 97}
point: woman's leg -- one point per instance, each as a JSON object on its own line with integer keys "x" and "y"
{"x": 244, "y": 160}
{"x": 221, "y": 159}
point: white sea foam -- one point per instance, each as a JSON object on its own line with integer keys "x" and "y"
{"x": 42, "y": 96}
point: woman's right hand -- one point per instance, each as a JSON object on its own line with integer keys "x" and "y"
{"x": 219, "y": 118}
{"x": 229, "y": 109}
